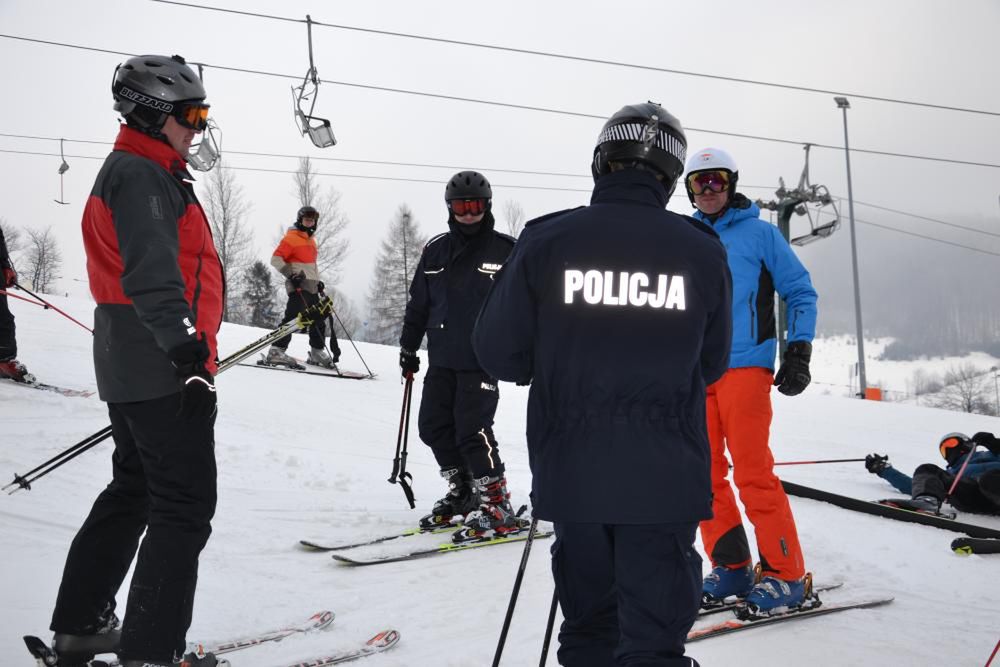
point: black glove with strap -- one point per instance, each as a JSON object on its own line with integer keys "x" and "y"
{"x": 409, "y": 362}
{"x": 198, "y": 398}
{"x": 297, "y": 278}
{"x": 875, "y": 463}
{"x": 987, "y": 440}
{"x": 793, "y": 376}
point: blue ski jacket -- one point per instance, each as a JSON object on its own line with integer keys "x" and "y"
{"x": 761, "y": 261}
{"x": 618, "y": 314}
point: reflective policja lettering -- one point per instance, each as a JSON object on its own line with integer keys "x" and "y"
{"x": 624, "y": 289}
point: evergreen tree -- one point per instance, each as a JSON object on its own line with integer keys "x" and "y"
{"x": 394, "y": 266}
{"x": 258, "y": 296}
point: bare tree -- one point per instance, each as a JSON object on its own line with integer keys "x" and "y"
{"x": 966, "y": 389}
{"x": 227, "y": 207}
{"x": 394, "y": 266}
{"x": 12, "y": 237}
{"x": 42, "y": 259}
{"x": 514, "y": 216}
{"x": 346, "y": 315}
{"x": 331, "y": 241}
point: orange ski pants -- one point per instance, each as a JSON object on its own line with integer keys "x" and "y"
{"x": 739, "y": 419}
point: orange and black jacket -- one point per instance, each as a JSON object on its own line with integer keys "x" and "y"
{"x": 297, "y": 252}
{"x": 153, "y": 267}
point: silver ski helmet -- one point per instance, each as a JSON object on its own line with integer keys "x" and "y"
{"x": 147, "y": 89}
{"x": 642, "y": 133}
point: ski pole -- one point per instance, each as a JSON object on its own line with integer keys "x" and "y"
{"x": 802, "y": 463}
{"x": 961, "y": 471}
{"x": 333, "y": 313}
{"x": 23, "y": 482}
{"x": 302, "y": 321}
{"x": 548, "y": 628}
{"x": 993, "y": 655}
{"x": 22, "y": 298}
{"x": 517, "y": 588}
{"x": 49, "y": 305}
{"x": 399, "y": 462}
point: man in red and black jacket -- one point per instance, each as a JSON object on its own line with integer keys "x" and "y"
{"x": 158, "y": 283}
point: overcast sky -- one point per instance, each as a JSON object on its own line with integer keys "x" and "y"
{"x": 919, "y": 50}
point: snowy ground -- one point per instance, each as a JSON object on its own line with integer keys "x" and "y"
{"x": 308, "y": 457}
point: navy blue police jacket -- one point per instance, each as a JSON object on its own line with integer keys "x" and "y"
{"x": 448, "y": 288}
{"x": 619, "y": 313}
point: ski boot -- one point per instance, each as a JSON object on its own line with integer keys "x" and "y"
{"x": 318, "y": 356}
{"x": 276, "y": 356}
{"x": 495, "y": 517}
{"x": 12, "y": 369}
{"x": 72, "y": 649}
{"x": 460, "y": 500}
{"x": 724, "y": 582}
{"x": 926, "y": 503}
{"x": 772, "y": 596}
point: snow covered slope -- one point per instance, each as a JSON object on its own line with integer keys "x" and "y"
{"x": 308, "y": 457}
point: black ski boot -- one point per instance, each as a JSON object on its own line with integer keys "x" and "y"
{"x": 79, "y": 649}
{"x": 459, "y": 501}
{"x": 494, "y": 517}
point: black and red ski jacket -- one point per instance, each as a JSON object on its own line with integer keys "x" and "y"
{"x": 153, "y": 268}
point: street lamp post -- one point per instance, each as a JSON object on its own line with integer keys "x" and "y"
{"x": 842, "y": 103}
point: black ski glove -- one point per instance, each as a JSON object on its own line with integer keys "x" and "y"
{"x": 297, "y": 278}
{"x": 320, "y": 286}
{"x": 198, "y": 398}
{"x": 409, "y": 362}
{"x": 987, "y": 440}
{"x": 793, "y": 376}
{"x": 876, "y": 464}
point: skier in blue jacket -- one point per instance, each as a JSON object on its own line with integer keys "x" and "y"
{"x": 618, "y": 313}
{"x": 978, "y": 490}
{"x": 739, "y": 404}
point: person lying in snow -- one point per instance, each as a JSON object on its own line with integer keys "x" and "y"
{"x": 978, "y": 489}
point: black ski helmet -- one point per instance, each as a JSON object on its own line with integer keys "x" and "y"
{"x": 468, "y": 185}
{"x": 148, "y": 89}
{"x": 644, "y": 133}
{"x": 304, "y": 212}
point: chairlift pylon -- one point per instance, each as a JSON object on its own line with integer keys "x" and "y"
{"x": 317, "y": 129}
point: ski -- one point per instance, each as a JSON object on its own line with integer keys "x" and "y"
{"x": 349, "y": 375}
{"x": 310, "y": 545}
{"x": 908, "y": 505}
{"x": 734, "y": 625}
{"x": 83, "y": 393}
{"x": 733, "y": 603}
{"x": 380, "y": 642}
{"x": 318, "y": 621}
{"x": 47, "y": 657}
{"x": 972, "y": 545}
{"x": 869, "y": 507}
{"x": 443, "y": 548}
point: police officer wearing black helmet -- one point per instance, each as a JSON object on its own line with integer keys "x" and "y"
{"x": 459, "y": 399}
{"x": 618, "y": 313}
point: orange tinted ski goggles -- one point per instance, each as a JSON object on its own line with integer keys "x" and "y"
{"x": 467, "y": 206}
{"x": 700, "y": 181}
{"x": 193, "y": 116}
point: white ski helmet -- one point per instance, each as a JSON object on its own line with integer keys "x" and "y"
{"x": 712, "y": 159}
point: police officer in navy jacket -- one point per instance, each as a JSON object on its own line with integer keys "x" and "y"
{"x": 619, "y": 315}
